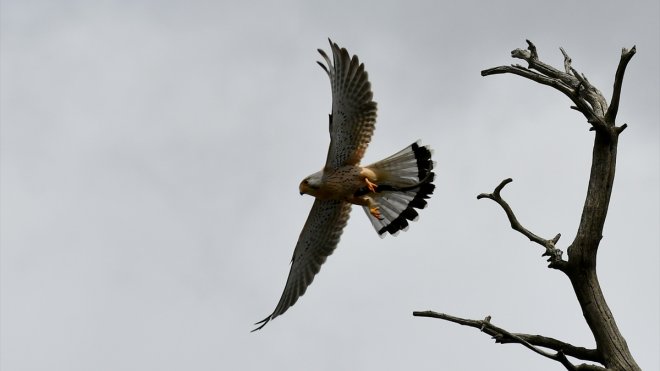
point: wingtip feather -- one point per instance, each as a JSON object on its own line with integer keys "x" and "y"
{"x": 263, "y": 323}
{"x": 327, "y": 60}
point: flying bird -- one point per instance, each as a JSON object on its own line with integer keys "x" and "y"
{"x": 389, "y": 190}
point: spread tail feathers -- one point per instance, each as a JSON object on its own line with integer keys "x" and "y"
{"x": 405, "y": 181}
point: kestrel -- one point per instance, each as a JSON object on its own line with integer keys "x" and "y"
{"x": 388, "y": 190}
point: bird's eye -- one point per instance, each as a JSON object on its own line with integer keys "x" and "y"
{"x": 305, "y": 181}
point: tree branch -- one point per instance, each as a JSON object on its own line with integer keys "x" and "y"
{"x": 531, "y": 342}
{"x": 588, "y": 100}
{"x": 626, "y": 56}
{"x": 557, "y": 345}
{"x": 554, "y": 254}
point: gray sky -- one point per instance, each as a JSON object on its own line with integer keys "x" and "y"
{"x": 151, "y": 153}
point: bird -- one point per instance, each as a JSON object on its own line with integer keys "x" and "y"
{"x": 389, "y": 190}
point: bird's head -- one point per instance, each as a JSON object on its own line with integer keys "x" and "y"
{"x": 311, "y": 184}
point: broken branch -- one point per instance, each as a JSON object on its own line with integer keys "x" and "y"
{"x": 531, "y": 342}
{"x": 626, "y": 56}
{"x": 554, "y": 254}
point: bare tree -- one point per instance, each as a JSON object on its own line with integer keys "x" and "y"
{"x": 611, "y": 351}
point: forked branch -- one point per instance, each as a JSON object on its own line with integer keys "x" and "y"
{"x": 531, "y": 342}
{"x": 587, "y": 98}
{"x": 551, "y": 251}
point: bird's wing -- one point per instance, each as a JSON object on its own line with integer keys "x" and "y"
{"x": 317, "y": 241}
{"x": 353, "y": 115}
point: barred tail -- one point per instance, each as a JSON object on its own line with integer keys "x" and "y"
{"x": 405, "y": 181}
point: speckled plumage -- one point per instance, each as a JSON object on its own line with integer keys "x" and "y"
{"x": 402, "y": 181}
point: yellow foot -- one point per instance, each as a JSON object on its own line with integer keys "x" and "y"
{"x": 372, "y": 186}
{"x": 375, "y": 212}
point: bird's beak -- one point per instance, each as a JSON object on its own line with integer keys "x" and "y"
{"x": 306, "y": 189}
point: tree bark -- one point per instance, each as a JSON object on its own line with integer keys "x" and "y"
{"x": 582, "y": 254}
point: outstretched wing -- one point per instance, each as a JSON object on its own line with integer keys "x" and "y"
{"x": 317, "y": 241}
{"x": 353, "y": 115}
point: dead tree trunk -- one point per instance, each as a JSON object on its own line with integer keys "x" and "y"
{"x": 611, "y": 351}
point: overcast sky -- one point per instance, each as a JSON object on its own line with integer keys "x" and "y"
{"x": 151, "y": 153}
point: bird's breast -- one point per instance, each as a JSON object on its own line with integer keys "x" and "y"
{"x": 340, "y": 183}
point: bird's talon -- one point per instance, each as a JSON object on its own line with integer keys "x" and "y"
{"x": 372, "y": 186}
{"x": 376, "y": 213}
